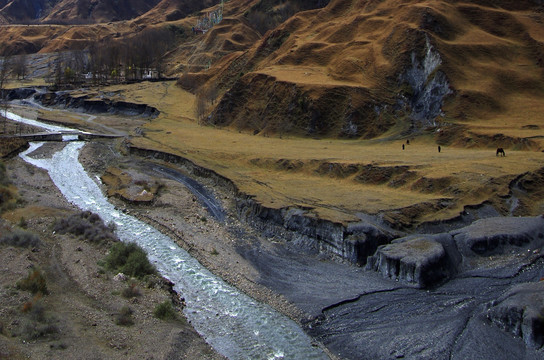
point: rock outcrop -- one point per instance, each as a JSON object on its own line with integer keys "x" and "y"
{"x": 498, "y": 246}
{"x": 494, "y": 235}
{"x": 420, "y": 261}
{"x": 520, "y": 311}
{"x": 429, "y": 86}
{"x": 95, "y": 105}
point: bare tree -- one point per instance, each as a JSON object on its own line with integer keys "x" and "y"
{"x": 5, "y": 65}
{"x": 201, "y": 107}
{"x": 20, "y": 66}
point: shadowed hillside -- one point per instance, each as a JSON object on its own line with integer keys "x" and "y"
{"x": 94, "y": 11}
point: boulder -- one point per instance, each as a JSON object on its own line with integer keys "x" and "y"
{"x": 420, "y": 261}
{"x": 520, "y": 311}
{"x": 120, "y": 277}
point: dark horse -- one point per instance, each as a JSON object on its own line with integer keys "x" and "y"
{"x": 500, "y": 151}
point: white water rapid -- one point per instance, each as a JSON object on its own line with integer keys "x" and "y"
{"x": 233, "y": 323}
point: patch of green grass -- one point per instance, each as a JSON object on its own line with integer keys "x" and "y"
{"x": 130, "y": 259}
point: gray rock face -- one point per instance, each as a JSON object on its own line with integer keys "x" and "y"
{"x": 520, "y": 311}
{"x": 418, "y": 261}
{"x": 493, "y": 235}
{"x": 429, "y": 85}
{"x": 498, "y": 247}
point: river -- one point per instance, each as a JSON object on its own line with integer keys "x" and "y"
{"x": 234, "y": 324}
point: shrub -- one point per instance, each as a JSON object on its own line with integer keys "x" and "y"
{"x": 22, "y": 223}
{"x": 130, "y": 259}
{"x": 34, "y": 282}
{"x": 131, "y": 291}
{"x": 34, "y": 330}
{"x": 37, "y": 324}
{"x": 88, "y": 226}
{"x": 124, "y": 317}
{"x": 20, "y": 238}
{"x": 58, "y": 346}
{"x": 8, "y": 197}
{"x": 165, "y": 311}
{"x": 35, "y": 309}
{"x": 3, "y": 175}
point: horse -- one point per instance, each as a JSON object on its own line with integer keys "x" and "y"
{"x": 500, "y": 151}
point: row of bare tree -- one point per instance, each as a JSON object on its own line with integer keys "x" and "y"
{"x": 105, "y": 61}
{"x": 128, "y": 58}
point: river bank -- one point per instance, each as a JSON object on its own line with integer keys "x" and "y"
{"x": 77, "y": 319}
{"x": 213, "y": 307}
{"x": 347, "y": 308}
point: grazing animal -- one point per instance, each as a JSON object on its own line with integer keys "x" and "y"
{"x": 500, "y": 151}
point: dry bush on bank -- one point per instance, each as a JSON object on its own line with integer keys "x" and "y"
{"x": 8, "y": 194}
{"x": 87, "y": 225}
{"x": 131, "y": 291}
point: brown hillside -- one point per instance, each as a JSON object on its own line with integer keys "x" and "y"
{"x": 358, "y": 68}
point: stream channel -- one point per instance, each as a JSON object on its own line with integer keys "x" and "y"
{"x": 237, "y": 326}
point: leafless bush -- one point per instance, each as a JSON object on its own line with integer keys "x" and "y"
{"x": 124, "y": 317}
{"x": 20, "y": 238}
{"x": 88, "y": 226}
{"x": 131, "y": 291}
{"x": 34, "y": 282}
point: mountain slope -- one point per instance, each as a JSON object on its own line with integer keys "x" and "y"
{"x": 361, "y": 68}
{"x": 94, "y": 11}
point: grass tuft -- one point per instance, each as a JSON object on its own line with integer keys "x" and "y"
{"x": 131, "y": 291}
{"x": 124, "y": 317}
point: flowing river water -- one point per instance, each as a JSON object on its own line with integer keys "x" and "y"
{"x": 234, "y": 324}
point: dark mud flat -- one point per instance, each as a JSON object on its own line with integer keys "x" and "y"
{"x": 445, "y": 323}
{"x": 203, "y": 195}
{"x": 358, "y": 314}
